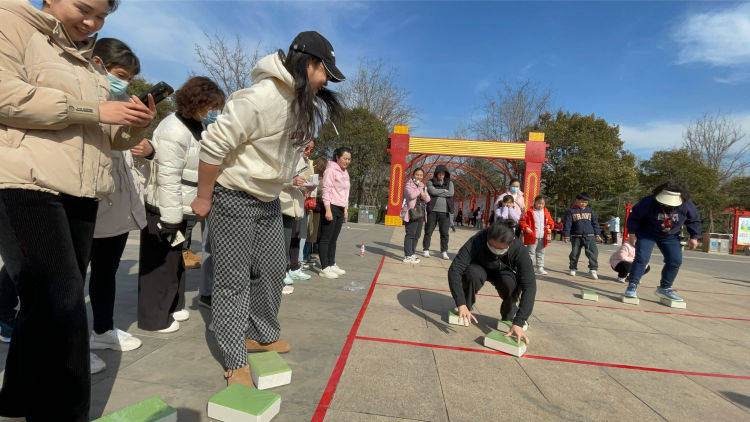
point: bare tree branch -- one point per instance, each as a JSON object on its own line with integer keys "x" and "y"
{"x": 721, "y": 144}
{"x": 374, "y": 88}
{"x": 229, "y": 65}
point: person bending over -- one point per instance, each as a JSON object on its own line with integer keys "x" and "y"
{"x": 495, "y": 255}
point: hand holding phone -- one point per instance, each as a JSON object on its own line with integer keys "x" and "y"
{"x": 159, "y": 92}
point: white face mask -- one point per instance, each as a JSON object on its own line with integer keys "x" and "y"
{"x": 498, "y": 252}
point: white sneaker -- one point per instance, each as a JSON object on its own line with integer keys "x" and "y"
{"x": 594, "y": 275}
{"x": 408, "y": 259}
{"x": 97, "y": 365}
{"x": 572, "y": 273}
{"x": 115, "y": 340}
{"x": 299, "y": 275}
{"x": 5, "y": 339}
{"x": 415, "y": 260}
{"x": 171, "y": 329}
{"x": 426, "y": 253}
{"x": 541, "y": 271}
{"x": 288, "y": 279}
{"x": 328, "y": 272}
{"x": 621, "y": 279}
{"x": 445, "y": 255}
{"x": 182, "y": 315}
{"x": 287, "y": 290}
{"x": 335, "y": 268}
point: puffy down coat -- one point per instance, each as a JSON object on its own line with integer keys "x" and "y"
{"x": 173, "y": 173}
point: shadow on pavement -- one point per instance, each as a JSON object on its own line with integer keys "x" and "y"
{"x": 738, "y": 398}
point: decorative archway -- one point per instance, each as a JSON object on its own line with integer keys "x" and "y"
{"x": 400, "y": 144}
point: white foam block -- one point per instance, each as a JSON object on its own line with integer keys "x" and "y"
{"x": 269, "y": 370}
{"x": 589, "y": 295}
{"x": 630, "y": 300}
{"x": 238, "y": 403}
{"x": 497, "y": 340}
{"x": 453, "y": 319}
{"x": 674, "y": 303}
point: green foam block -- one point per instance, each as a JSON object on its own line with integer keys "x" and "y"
{"x": 680, "y": 304}
{"x": 453, "y": 318}
{"x": 149, "y": 410}
{"x": 497, "y": 340}
{"x": 589, "y": 295}
{"x": 630, "y": 300}
{"x": 269, "y": 370}
{"x": 504, "y": 325}
{"x": 238, "y": 403}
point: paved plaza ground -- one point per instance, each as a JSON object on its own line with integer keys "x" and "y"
{"x": 385, "y": 352}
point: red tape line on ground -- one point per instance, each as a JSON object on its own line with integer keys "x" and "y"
{"x": 333, "y": 381}
{"x": 584, "y": 304}
{"x": 554, "y": 359}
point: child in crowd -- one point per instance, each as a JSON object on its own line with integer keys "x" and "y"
{"x": 582, "y": 226}
{"x": 536, "y": 226}
{"x": 559, "y": 228}
{"x": 508, "y": 209}
{"x": 622, "y": 259}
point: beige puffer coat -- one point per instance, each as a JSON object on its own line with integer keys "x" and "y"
{"x": 50, "y": 136}
{"x": 292, "y": 198}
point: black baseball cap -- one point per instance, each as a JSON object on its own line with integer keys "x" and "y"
{"x": 316, "y": 45}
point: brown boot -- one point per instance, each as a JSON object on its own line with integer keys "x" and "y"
{"x": 190, "y": 261}
{"x": 239, "y": 376}
{"x": 278, "y": 346}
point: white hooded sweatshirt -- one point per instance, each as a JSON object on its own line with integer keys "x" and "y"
{"x": 252, "y": 138}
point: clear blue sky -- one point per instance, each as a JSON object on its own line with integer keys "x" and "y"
{"x": 650, "y": 67}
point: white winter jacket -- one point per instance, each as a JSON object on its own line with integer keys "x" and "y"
{"x": 173, "y": 173}
{"x": 252, "y": 139}
{"x": 292, "y": 198}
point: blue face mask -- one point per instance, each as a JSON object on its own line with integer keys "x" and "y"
{"x": 211, "y": 116}
{"x": 117, "y": 86}
{"x": 514, "y": 189}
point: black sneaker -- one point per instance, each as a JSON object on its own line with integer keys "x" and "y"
{"x": 205, "y": 301}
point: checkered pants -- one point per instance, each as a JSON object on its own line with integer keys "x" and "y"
{"x": 249, "y": 267}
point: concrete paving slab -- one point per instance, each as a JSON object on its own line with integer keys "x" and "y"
{"x": 334, "y": 415}
{"x": 676, "y": 397}
{"x": 391, "y": 380}
{"x": 585, "y": 391}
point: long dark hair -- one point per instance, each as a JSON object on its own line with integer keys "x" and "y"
{"x": 307, "y": 109}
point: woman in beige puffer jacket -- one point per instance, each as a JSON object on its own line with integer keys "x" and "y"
{"x": 56, "y": 131}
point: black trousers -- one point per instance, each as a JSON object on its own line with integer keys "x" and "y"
{"x": 105, "y": 260}
{"x": 8, "y": 303}
{"x": 413, "y": 230}
{"x": 161, "y": 277}
{"x": 329, "y": 235}
{"x": 190, "y": 222}
{"x": 504, "y": 282}
{"x": 45, "y": 242}
{"x": 443, "y": 221}
{"x": 623, "y": 269}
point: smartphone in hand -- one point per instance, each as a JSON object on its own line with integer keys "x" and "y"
{"x": 159, "y": 91}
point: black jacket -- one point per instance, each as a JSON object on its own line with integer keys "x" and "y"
{"x": 517, "y": 260}
{"x": 438, "y": 189}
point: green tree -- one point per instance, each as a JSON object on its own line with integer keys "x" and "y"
{"x": 701, "y": 180}
{"x": 139, "y": 86}
{"x": 367, "y": 136}
{"x": 738, "y": 191}
{"x": 586, "y": 154}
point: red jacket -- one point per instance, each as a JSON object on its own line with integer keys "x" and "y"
{"x": 527, "y": 221}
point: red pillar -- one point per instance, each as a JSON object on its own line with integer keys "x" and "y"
{"x": 628, "y": 208}
{"x": 399, "y": 148}
{"x": 536, "y": 149}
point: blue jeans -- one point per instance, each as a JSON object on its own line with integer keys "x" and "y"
{"x": 671, "y": 250}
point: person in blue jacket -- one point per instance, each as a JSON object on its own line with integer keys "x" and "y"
{"x": 582, "y": 230}
{"x": 657, "y": 220}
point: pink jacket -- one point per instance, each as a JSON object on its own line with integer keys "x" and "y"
{"x": 411, "y": 192}
{"x": 625, "y": 253}
{"x": 335, "y": 185}
{"x": 519, "y": 205}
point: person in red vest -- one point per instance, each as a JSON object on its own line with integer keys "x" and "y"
{"x": 536, "y": 226}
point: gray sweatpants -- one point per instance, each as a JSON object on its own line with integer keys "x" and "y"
{"x": 247, "y": 242}
{"x": 537, "y": 250}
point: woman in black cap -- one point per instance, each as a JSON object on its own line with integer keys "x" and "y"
{"x": 247, "y": 156}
